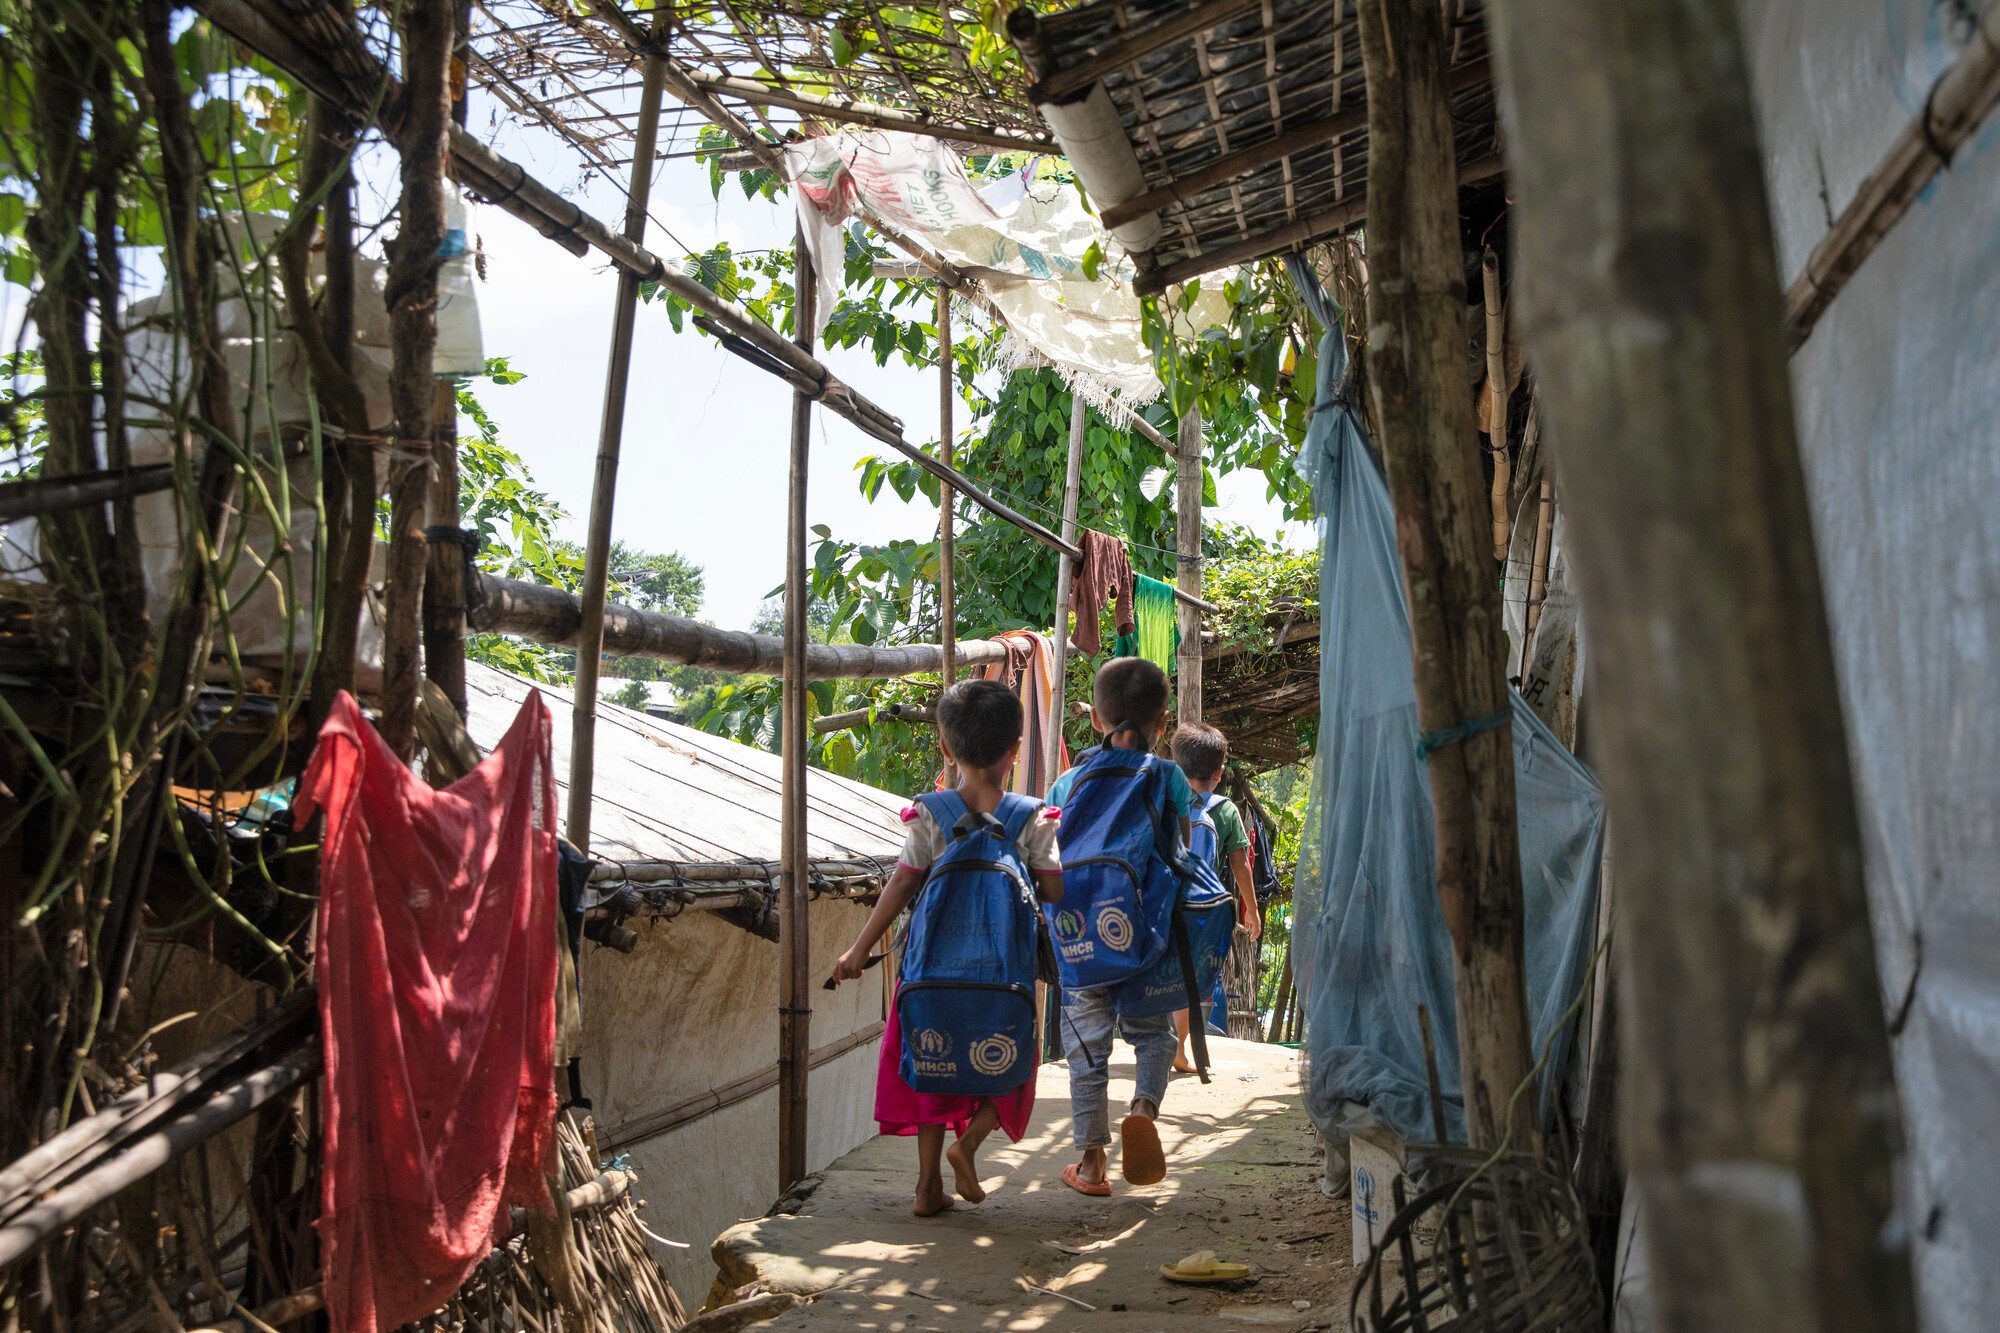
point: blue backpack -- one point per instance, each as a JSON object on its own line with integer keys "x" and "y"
{"x": 966, "y": 1001}
{"x": 1115, "y": 920}
{"x": 1207, "y": 922}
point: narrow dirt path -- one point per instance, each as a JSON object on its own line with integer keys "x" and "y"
{"x": 1243, "y": 1181}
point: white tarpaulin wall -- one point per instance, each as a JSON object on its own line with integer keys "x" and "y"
{"x": 1898, "y": 394}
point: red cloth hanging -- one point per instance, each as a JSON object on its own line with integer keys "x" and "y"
{"x": 437, "y": 992}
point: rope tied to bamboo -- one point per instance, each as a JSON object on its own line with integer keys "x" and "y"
{"x": 1436, "y": 740}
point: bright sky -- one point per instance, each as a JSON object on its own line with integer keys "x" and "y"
{"x": 703, "y": 469}
{"x": 703, "y": 466}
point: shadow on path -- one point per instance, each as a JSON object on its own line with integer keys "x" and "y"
{"x": 1243, "y": 1180}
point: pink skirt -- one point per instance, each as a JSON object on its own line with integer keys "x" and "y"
{"x": 901, "y": 1109}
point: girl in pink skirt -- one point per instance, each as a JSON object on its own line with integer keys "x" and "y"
{"x": 979, "y": 728}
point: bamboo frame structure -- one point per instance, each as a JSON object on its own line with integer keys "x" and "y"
{"x": 1079, "y": 418}
{"x": 795, "y": 963}
{"x": 1497, "y": 399}
{"x": 947, "y": 498}
{"x": 552, "y": 615}
{"x": 604, "y": 488}
{"x": 1187, "y": 561}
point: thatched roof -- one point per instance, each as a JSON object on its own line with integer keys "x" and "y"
{"x": 1247, "y": 117}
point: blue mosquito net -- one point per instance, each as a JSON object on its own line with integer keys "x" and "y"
{"x": 1370, "y": 943}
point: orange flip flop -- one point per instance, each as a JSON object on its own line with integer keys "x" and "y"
{"x": 1096, "y": 1189}
{"x": 1145, "y": 1162}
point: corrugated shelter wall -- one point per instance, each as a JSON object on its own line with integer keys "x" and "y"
{"x": 1898, "y": 394}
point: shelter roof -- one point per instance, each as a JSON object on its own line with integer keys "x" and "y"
{"x": 1248, "y": 118}
{"x": 783, "y": 65}
{"x": 668, "y": 793}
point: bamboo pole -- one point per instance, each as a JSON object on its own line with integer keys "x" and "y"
{"x": 47, "y": 495}
{"x": 1187, "y": 559}
{"x": 872, "y": 115}
{"x": 861, "y": 717}
{"x": 1079, "y": 419}
{"x": 947, "y": 498}
{"x": 1496, "y": 393}
{"x": 1758, "y": 1114}
{"x": 700, "y": 1106}
{"x": 604, "y": 487}
{"x": 795, "y": 962}
{"x": 1957, "y": 104}
{"x": 1416, "y": 357}
{"x": 1538, "y": 574}
{"x": 553, "y": 615}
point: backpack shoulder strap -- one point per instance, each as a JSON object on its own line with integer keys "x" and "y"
{"x": 947, "y": 808}
{"x": 1015, "y": 811}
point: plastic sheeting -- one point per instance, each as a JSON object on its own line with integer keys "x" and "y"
{"x": 1899, "y": 424}
{"x": 1370, "y": 941}
{"x": 273, "y": 586}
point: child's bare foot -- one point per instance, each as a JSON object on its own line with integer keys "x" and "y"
{"x": 931, "y": 1199}
{"x": 1181, "y": 1066}
{"x": 964, "y": 1174}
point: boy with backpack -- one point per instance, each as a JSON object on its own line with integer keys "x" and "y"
{"x": 1118, "y": 805}
{"x": 1201, "y": 752}
{"x": 959, "y": 1048}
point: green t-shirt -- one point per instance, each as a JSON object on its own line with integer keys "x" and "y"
{"x": 1229, "y": 836}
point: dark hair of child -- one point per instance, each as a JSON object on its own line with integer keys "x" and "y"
{"x": 1200, "y": 750}
{"x": 980, "y": 719}
{"x": 1130, "y": 690}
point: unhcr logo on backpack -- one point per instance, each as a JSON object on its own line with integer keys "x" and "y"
{"x": 929, "y": 1049}
{"x": 1070, "y": 941}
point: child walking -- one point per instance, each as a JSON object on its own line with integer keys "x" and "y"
{"x": 1202, "y": 751}
{"x": 1129, "y": 710}
{"x": 979, "y": 729}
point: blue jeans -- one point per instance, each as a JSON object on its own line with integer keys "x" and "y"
{"x": 1087, "y": 1020}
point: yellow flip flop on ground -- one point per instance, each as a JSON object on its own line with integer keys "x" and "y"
{"x": 1202, "y": 1268}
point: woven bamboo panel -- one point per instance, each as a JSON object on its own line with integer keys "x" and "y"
{"x": 1266, "y": 69}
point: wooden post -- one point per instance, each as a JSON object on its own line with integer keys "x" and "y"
{"x": 1079, "y": 418}
{"x": 1496, "y": 389}
{"x": 1187, "y": 561}
{"x": 795, "y": 960}
{"x": 1759, "y": 1124}
{"x": 444, "y": 582}
{"x": 604, "y": 486}
{"x": 1427, "y": 430}
{"x": 411, "y": 296}
{"x": 947, "y": 498}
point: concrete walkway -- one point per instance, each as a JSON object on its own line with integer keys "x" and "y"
{"x": 1243, "y": 1181}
